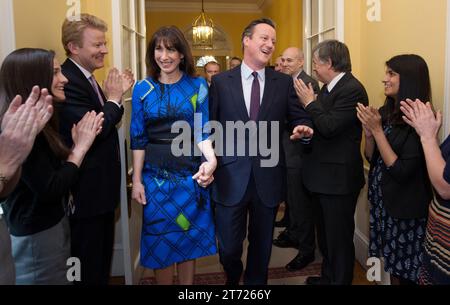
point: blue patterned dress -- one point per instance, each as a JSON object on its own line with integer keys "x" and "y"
{"x": 399, "y": 241}
{"x": 177, "y": 221}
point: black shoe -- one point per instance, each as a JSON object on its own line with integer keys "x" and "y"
{"x": 299, "y": 262}
{"x": 316, "y": 280}
{"x": 283, "y": 241}
{"x": 283, "y": 223}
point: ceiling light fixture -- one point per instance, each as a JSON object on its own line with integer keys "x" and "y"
{"x": 203, "y": 31}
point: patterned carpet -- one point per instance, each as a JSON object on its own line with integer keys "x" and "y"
{"x": 218, "y": 278}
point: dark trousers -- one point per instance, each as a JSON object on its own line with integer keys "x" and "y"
{"x": 231, "y": 225}
{"x": 92, "y": 242}
{"x": 301, "y": 213}
{"x": 335, "y": 230}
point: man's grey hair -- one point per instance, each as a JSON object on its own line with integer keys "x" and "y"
{"x": 336, "y": 52}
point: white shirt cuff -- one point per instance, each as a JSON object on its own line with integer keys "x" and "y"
{"x": 117, "y": 103}
{"x": 307, "y": 104}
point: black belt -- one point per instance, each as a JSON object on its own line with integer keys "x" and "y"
{"x": 164, "y": 141}
{"x": 161, "y": 141}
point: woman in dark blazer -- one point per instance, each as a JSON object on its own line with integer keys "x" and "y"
{"x": 399, "y": 188}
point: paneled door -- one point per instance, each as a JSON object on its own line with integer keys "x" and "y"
{"x": 129, "y": 46}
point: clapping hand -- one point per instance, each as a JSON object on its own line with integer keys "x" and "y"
{"x": 39, "y": 100}
{"x": 301, "y": 131}
{"x": 114, "y": 86}
{"x": 422, "y": 118}
{"x": 17, "y": 137}
{"x": 370, "y": 119}
{"x": 127, "y": 80}
{"x": 85, "y": 131}
{"x": 305, "y": 93}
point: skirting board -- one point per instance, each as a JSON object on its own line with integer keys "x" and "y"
{"x": 362, "y": 252}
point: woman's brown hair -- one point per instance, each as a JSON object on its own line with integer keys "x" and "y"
{"x": 20, "y": 72}
{"x": 170, "y": 37}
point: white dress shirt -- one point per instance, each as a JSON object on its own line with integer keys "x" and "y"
{"x": 335, "y": 80}
{"x": 247, "y": 81}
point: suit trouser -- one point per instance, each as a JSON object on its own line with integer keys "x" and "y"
{"x": 335, "y": 231}
{"x": 231, "y": 225}
{"x": 7, "y": 275}
{"x": 301, "y": 212}
{"x": 92, "y": 242}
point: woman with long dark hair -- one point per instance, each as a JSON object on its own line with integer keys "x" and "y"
{"x": 177, "y": 226}
{"x": 35, "y": 209}
{"x": 399, "y": 188}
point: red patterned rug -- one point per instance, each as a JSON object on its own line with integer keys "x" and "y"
{"x": 218, "y": 278}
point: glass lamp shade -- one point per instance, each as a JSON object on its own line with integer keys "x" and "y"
{"x": 203, "y": 32}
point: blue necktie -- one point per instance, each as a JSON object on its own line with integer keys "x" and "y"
{"x": 325, "y": 91}
{"x": 255, "y": 97}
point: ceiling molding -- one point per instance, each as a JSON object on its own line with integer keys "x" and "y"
{"x": 189, "y": 6}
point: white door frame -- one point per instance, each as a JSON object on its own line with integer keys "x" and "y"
{"x": 338, "y": 28}
{"x": 7, "y": 34}
{"x": 117, "y": 62}
{"x": 446, "y": 111}
{"x": 340, "y": 17}
{"x": 130, "y": 262}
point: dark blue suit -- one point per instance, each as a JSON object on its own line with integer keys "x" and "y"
{"x": 241, "y": 184}
{"x": 97, "y": 192}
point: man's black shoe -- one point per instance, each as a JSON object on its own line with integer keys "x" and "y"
{"x": 316, "y": 280}
{"x": 299, "y": 262}
{"x": 283, "y": 241}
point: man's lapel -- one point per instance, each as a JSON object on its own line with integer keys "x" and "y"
{"x": 327, "y": 97}
{"x": 268, "y": 95}
{"x": 237, "y": 94}
{"x": 87, "y": 85}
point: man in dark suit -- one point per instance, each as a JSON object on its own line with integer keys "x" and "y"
{"x": 245, "y": 183}
{"x": 211, "y": 68}
{"x": 97, "y": 192}
{"x": 333, "y": 168}
{"x": 300, "y": 233}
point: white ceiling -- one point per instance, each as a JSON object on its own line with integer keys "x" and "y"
{"x": 248, "y": 6}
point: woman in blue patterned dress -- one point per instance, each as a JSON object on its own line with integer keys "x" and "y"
{"x": 399, "y": 188}
{"x": 177, "y": 222}
{"x": 436, "y": 262}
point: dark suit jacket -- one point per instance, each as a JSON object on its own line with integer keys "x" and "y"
{"x": 98, "y": 189}
{"x": 279, "y": 103}
{"x": 293, "y": 149}
{"x": 405, "y": 185}
{"x": 308, "y": 79}
{"x": 334, "y": 164}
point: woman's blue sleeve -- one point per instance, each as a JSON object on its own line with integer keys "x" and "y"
{"x": 138, "y": 131}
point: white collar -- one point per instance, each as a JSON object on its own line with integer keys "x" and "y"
{"x": 335, "y": 80}
{"x": 297, "y": 74}
{"x": 246, "y": 72}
